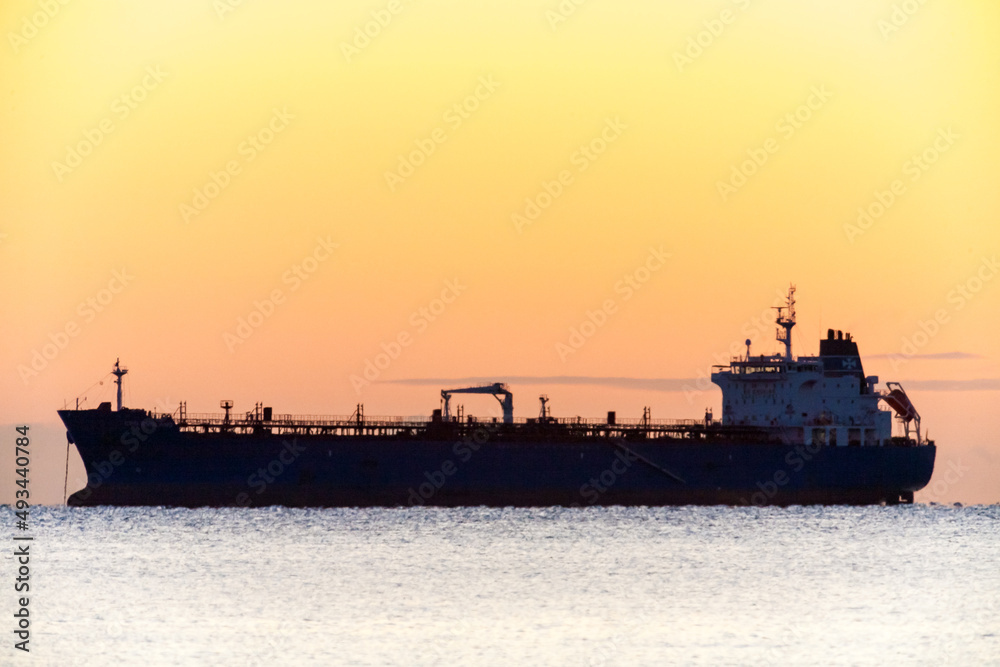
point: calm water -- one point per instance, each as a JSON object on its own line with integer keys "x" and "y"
{"x": 697, "y": 586}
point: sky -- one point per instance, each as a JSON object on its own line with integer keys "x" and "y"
{"x": 316, "y": 205}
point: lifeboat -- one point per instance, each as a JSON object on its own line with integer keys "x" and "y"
{"x": 900, "y": 402}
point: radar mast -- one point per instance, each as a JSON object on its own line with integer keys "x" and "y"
{"x": 786, "y": 320}
{"x": 118, "y": 372}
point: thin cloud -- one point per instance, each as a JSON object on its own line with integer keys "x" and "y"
{"x": 928, "y": 356}
{"x": 662, "y": 384}
{"x": 978, "y": 384}
{"x": 654, "y": 384}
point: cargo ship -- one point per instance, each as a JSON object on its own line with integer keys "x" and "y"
{"x": 793, "y": 430}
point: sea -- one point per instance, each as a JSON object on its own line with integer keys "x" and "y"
{"x": 902, "y": 585}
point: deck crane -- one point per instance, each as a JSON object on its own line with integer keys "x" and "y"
{"x": 497, "y": 389}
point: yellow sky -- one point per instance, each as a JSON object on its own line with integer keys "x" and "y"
{"x": 180, "y": 164}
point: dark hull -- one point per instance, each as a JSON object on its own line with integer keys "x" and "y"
{"x": 127, "y": 466}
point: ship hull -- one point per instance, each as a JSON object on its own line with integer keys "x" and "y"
{"x": 127, "y": 465}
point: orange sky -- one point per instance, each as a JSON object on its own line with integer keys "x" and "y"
{"x": 169, "y": 171}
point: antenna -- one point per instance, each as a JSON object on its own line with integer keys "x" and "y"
{"x": 786, "y": 320}
{"x": 118, "y": 372}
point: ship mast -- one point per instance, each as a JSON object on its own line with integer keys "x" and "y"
{"x": 118, "y": 372}
{"x": 786, "y": 320}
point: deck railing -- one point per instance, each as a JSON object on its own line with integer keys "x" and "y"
{"x": 252, "y": 419}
